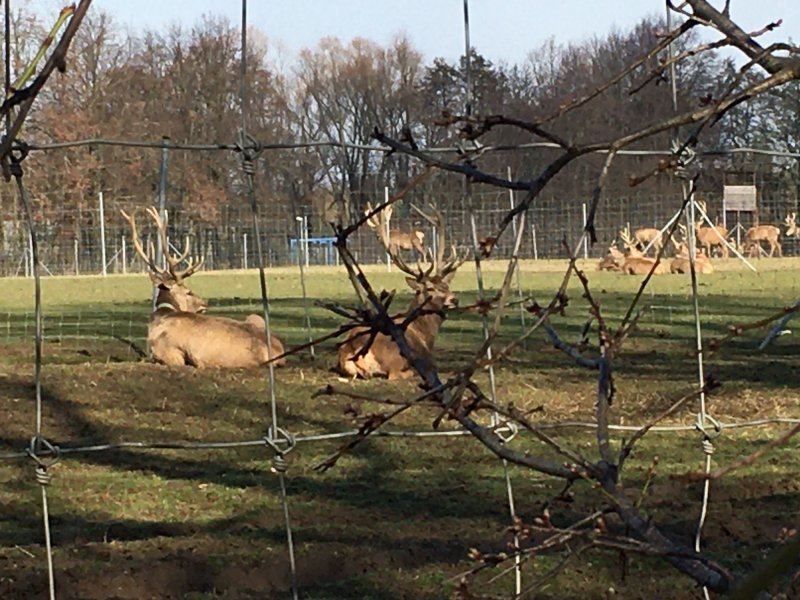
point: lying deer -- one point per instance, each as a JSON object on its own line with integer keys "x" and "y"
{"x": 612, "y": 261}
{"x": 762, "y": 233}
{"x": 682, "y": 264}
{"x": 179, "y": 333}
{"x": 432, "y": 298}
{"x": 635, "y": 262}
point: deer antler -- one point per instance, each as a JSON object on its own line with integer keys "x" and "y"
{"x": 171, "y": 261}
{"x": 625, "y": 236}
{"x": 174, "y": 261}
{"x": 147, "y": 257}
{"x": 442, "y": 266}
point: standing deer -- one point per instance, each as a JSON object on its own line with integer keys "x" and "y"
{"x": 762, "y": 233}
{"x": 646, "y": 235}
{"x": 711, "y": 237}
{"x": 179, "y": 333}
{"x": 398, "y": 239}
{"x": 432, "y": 298}
{"x": 635, "y": 262}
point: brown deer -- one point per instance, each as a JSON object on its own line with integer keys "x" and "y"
{"x": 646, "y": 235}
{"x": 682, "y": 264}
{"x": 612, "y": 261}
{"x": 711, "y": 237}
{"x": 635, "y": 262}
{"x": 398, "y": 239}
{"x": 179, "y": 333}
{"x": 762, "y": 233}
{"x": 432, "y": 298}
{"x": 791, "y": 226}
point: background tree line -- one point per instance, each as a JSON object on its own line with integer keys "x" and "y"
{"x": 183, "y": 82}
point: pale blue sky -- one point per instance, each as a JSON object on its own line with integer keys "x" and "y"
{"x": 500, "y": 29}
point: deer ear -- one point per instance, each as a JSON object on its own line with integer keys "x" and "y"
{"x": 412, "y": 283}
{"x": 449, "y": 277}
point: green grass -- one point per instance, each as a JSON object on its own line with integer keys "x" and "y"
{"x": 395, "y": 518}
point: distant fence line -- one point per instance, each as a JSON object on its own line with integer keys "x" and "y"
{"x": 104, "y": 245}
{"x": 95, "y": 239}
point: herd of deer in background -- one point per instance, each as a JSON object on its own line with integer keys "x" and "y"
{"x": 711, "y": 240}
{"x": 181, "y": 333}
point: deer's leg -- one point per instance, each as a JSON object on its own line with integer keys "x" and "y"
{"x": 350, "y": 366}
{"x": 778, "y": 247}
{"x": 173, "y": 357}
{"x": 404, "y": 374}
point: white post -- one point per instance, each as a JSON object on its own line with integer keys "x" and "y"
{"x": 585, "y": 240}
{"x": 533, "y": 237}
{"x": 29, "y": 257}
{"x": 124, "y": 257}
{"x": 724, "y": 213}
{"x": 305, "y": 237}
{"x": 244, "y": 250}
{"x": 75, "y": 252}
{"x": 102, "y": 233}
{"x": 738, "y": 230}
{"x": 388, "y": 258}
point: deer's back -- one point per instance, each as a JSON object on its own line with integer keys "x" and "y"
{"x": 206, "y": 341}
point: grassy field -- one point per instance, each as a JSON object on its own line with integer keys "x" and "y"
{"x": 396, "y": 518}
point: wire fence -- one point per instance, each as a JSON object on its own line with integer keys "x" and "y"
{"x": 95, "y": 239}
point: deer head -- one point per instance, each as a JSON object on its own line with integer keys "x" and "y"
{"x": 613, "y": 249}
{"x": 680, "y": 239}
{"x": 431, "y": 285}
{"x": 629, "y": 243}
{"x": 169, "y": 280}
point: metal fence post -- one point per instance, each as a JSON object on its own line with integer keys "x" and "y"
{"x": 124, "y": 256}
{"x": 102, "y": 235}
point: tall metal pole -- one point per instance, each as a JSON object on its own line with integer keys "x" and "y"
{"x": 162, "y": 195}
{"x": 102, "y": 235}
{"x": 7, "y": 78}
{"x": 248, "y": 167}
{"x": 162, "y": 207}
{"x": 468, "y": 63}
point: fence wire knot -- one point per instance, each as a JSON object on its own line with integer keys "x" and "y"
{"x": 249, "y": 147}
{"x": 507, "y": 431}
{"x": 708, "y": 435}
{"x": 684, "y": 156}
{"x": 283, "y": 443}
{"x": 44, "y": 460}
